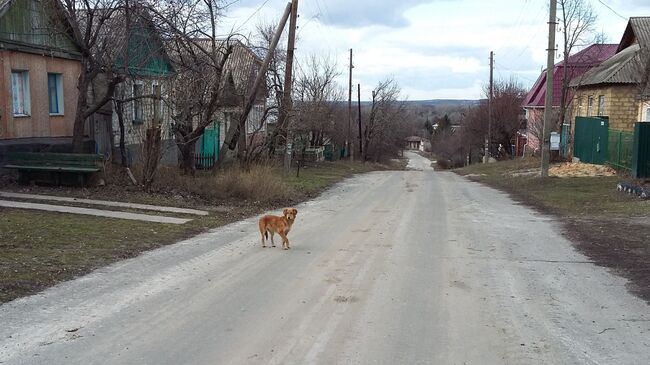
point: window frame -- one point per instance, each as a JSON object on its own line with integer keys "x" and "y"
{"x": 590, "y": 105}
{"x": 58, "y": 77}
{"x": 601, "y": 105}
{"x": 26, "y": 94}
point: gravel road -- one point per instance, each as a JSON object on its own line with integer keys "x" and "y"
{"x": 402, "y": 267}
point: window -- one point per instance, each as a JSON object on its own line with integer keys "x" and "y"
{"x": 580, "y": 107}
{"x": 20, "y": 93}
{"x": 138, "y": 110}
{"x": 646, "y": 112}
{"x": 590, "y": 106}
{"x": 55, "y": 93}
{"x": 601, "y": 105}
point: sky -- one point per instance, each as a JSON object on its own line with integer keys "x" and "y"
{"x": 434, "y": 49}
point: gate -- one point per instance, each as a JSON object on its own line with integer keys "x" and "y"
{"x": 591, "y": 139}
{"x": 207, "y": 147}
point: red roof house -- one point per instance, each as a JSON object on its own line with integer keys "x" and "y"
{"x": 578, "y": 64}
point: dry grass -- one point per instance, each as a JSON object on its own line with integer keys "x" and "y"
{"x": 260, "y": 184}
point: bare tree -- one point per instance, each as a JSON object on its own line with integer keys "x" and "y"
{"x": 507, "y": 121}
{"x": 91, "y": 27}
{"x": 199, "y": 56}
{"x": 578, "y": 20}
{"x": 382, "y": 132}
{"x": 318, "y": 97}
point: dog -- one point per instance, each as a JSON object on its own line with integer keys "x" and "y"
{"x": 280, "y": 225}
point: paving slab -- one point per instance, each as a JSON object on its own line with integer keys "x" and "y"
{"x": 103, "y": 202}
{"x": 95, "y": 212}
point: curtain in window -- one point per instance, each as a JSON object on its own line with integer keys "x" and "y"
{"x": 18, "y": 93}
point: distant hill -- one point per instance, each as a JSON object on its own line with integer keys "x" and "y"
{"x": 443, "y": 102}
{"x": 426, "y": 103}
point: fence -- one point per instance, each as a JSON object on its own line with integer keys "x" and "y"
{"x": 204, "y": 160}
{"x": 620, "y": 149}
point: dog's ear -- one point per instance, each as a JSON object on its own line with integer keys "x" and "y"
{"x": 285, "y": 211}
{"x": 295, "y": 211}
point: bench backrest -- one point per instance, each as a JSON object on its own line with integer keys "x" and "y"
{"x": 54, "y": 159}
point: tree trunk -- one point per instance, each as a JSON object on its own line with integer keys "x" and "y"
{"x": 119, "y": 110}
{"x": 187, "y": 157}
{"x": 80, "y": 118}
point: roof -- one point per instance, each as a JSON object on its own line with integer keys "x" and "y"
{"x": 413, "y": 139}
{"x": 637, "y": 31}
{"x": 25, "y": 26}
{"x": 628, "y": 65}
{"x": 625, "y": 67}
{"x": 579, "y": 63}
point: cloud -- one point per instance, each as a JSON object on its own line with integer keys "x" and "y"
{"x": 350, "y": 14}
{"x": 434, "y": 48}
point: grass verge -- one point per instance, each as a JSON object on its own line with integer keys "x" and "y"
{"x": 39, "y": 249}
{"x": 609, "y": 227}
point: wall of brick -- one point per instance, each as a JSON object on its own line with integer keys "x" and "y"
{"x": 621, "y": 105}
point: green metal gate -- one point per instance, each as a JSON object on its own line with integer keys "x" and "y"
{"x": 207, "y": 147}
{"x": 591, "y": 139}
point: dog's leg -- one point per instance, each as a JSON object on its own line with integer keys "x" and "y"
{"x": 285, "y": 241}
{"x": 272, "y": 242}
{"x": 263, "y": 233}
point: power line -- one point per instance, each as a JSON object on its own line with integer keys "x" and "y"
{"x": 259, "y": 8}
{"x": 613, "y": 11}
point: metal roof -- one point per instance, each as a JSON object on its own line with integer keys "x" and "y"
{"x": 637, "y": 31}
{"x": 625, "y": 67}
{"x": 578, "y": 64}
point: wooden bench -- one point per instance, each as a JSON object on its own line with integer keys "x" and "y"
{"x": 54, "y": 163}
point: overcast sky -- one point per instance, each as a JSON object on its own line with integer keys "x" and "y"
{"x": 435, "y": 49}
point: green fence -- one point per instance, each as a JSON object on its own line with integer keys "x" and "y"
{"x": 620, "y": 148}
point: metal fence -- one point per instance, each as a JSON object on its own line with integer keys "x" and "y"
{"x": 620, "y": 149}
{"x": 204, "y": 161}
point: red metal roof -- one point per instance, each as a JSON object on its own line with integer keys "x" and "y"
{"x": 579, "y": 63}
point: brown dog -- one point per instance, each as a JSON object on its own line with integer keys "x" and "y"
{"x": 280, "y": 225}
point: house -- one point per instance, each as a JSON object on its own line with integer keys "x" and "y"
{"x": 235, "y": 85}
{"x": 414, "y": 143}
{"x": 38, "y": 80}
{"x": 240, "y": 72}
{"x": 612, "y": 89}
{"x": 576, "y": 66}
{"x": 139, "y": 100}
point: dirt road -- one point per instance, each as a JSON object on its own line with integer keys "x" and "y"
{"x": 411, "y": 267}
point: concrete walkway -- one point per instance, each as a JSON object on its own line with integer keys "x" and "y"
{"x": 104, "y": 203}
{"x": 95, "y": 212}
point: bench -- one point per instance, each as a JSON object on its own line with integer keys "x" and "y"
{"x": 53, "y": 163}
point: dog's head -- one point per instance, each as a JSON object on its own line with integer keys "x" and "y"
{"x": 290, "y": 213}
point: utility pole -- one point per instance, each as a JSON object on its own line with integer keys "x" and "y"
{"x": 548, "y": 100}
{"x": 350, "y": 146}
{"x": 232, "y": 135}
{"x": 359, "y": 106}
{"x": 488, "y": 141}
{"x": 286, "y": 98}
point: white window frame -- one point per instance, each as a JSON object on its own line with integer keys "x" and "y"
{"x": 590, "y": 106}
{"x": 646, "y": 111}
{"x": 59, "y": 91}
{"x": 26, "y": 98}
{"x": 601, "y": 105}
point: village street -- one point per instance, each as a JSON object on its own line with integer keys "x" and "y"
{"x": 399, "y": 267}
